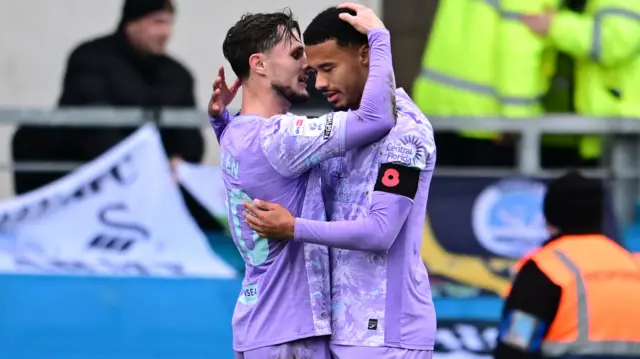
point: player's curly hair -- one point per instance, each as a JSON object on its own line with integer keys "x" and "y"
{"x": 256, "y": 33}
{"x": 328, "y": 26}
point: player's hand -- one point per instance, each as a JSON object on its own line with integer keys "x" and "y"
{"x": 222, "y": 94}
{"x": 270, "y": 220}
{"x": 364, "y": 20}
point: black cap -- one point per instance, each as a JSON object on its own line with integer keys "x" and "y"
{"x": 574, "y": 204}
{"x": 135, "y": 9}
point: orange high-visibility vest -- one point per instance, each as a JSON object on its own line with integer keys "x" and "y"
{"x": 599, "y": 310}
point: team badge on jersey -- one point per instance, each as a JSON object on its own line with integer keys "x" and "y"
{"x": 409, "y": 150}
{"x": 298, "y": 127}
{"x": 315, "y": 127}
{"x": 309, "y": 127}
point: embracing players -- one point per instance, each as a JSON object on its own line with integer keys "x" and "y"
{"x": 376, "y": 199}
{"x": 284, "y": 307}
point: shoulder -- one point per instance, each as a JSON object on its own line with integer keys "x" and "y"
{"x": 242, "y": 128}
{"x": 409, "y": 143}
{"x": 93, "y": 48}
{"x": 176, "y": 67}
{"x": 530, "y": 281}
{"x": 275, "y": 124}
{"x": 533, "y": 290}
{"x": 411, "y": 119}
{"x": 529, "y": 270}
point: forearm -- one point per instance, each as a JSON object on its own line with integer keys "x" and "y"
{"x": 572, "y": 33}
{"x": 219, "y": 123}
{"x": 377, "y": 232}
{"x": 375, "y": 116}
{"x": 609, "y": 37}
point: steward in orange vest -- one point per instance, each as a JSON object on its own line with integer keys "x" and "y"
{"x": 578, "y": 296}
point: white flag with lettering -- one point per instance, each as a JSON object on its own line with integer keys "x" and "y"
{"x": 118, "y": 215}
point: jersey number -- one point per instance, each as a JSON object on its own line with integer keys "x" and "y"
{"x": 260, "y": 251}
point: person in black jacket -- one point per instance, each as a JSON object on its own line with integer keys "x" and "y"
{"x": 128, "y": 68}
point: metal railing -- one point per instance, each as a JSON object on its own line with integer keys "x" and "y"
{"x": 620, "y": 162}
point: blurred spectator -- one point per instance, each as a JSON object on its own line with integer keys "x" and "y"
{"x": 603, "y": 38}
{"x": 486, "y": 64}
{"x": 128, "y": 68}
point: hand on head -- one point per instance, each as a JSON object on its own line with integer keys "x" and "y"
{"x": 364, "y": 20}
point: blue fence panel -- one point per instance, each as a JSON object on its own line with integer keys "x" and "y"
{"x": 139, "y": 318}
{"x": 107, "y": 318}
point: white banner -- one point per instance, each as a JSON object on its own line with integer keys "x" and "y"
{"x": 205, "y": 184}
{"x": 118, "y": 215}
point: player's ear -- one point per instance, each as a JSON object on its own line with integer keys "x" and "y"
{"x": 257, "y": 63}
{"x": 363, "y": 54}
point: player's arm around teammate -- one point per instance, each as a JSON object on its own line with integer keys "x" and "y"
{"x": 303, "y": 142}
{"x": 392, "y": 199}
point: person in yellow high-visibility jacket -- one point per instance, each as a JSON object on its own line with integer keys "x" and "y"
{"x": 604, "y": 41}
{"x": 481, "y": 61}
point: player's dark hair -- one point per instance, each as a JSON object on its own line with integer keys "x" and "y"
{"x": 328, "y": 26}
{"x": 256, "y": 33}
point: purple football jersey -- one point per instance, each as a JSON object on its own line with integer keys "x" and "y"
{"x": 282, "y": 299}
{"x": 382, "y": 298}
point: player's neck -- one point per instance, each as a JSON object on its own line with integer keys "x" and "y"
{"x": 262, "y": 102}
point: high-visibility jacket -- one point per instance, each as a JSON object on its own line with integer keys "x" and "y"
{"x": 482, "y": 61}
{"x": 599, "y": 309}
{"x": 605, "y": 42}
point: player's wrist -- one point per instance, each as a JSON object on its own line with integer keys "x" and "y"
{"x": 298, "y": 223}
{"x": 377, "y": 31}
{"x": 214, "y": 115}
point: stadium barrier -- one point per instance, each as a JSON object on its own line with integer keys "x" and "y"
{"x": 621, "y": 158}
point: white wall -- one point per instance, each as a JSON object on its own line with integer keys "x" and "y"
{"x": 37, "y": 35}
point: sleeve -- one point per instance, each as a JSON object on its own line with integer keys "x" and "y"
{"x": 294, "y": 144}
{"x": 609, "y": 37}
{"x": 84, "y": 82}
{"x": 219, "y": 123}
{"x": 529, "y": 310}
{"x": 403, "y": 160}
